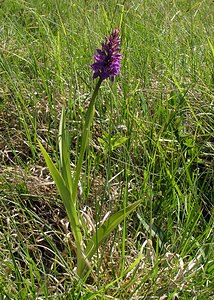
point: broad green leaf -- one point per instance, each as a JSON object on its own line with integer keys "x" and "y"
{"x": 65, "y": 195}
{"x": 107, "y": 227}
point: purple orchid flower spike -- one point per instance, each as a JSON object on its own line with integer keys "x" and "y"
{"x": 107, "y": 60}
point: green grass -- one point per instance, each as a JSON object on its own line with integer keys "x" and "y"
{"x": 152, "y": 139}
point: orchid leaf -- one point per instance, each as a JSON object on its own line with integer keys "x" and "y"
{"x": 108, "y": 226}
{"x": 65, "y": 195}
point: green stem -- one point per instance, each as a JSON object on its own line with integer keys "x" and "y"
{"x": 84, "y": 141}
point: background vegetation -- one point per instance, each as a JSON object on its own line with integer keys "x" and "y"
{"x": 152, "y": 140}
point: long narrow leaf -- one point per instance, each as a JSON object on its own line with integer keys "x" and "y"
{"x": 65, "y": 195}
{"x": 107, "y": 227}
{"x": 64, "y": 150}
